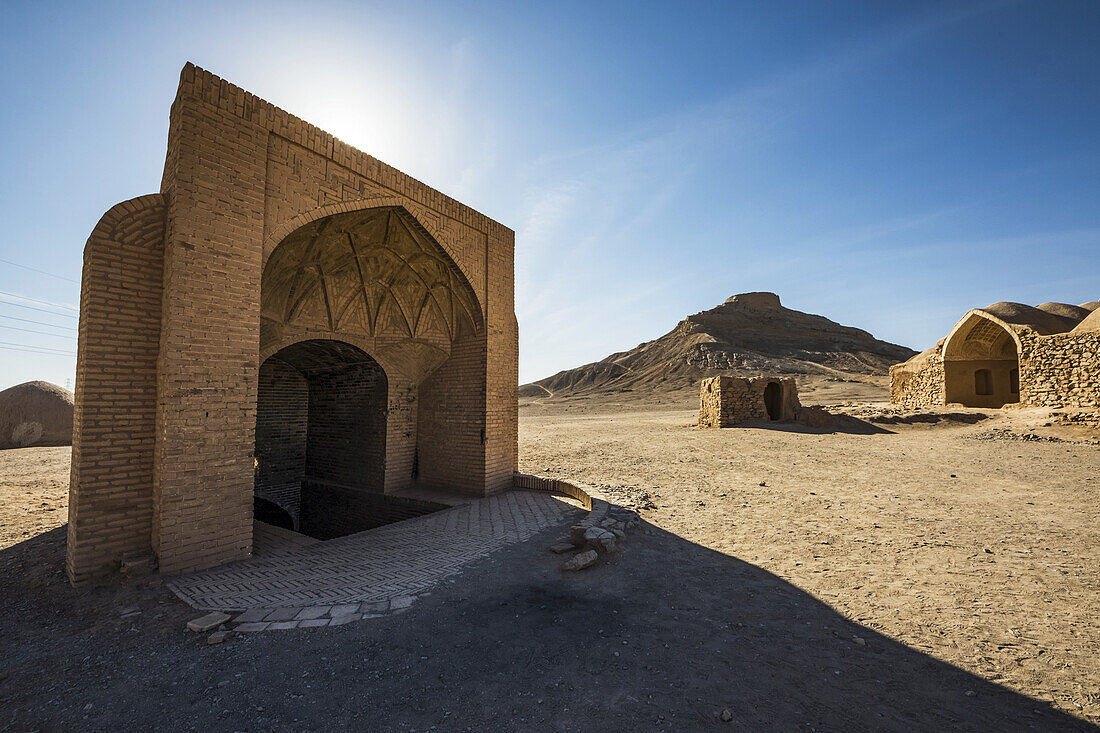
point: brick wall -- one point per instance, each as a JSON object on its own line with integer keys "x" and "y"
{"x": 451, "y": 424}
{"x": 240, "y": 175}
{"x": 111, "y": 512}
{"x": 346, "y": 441}
{"x": 401, "y": 415}
{"x": 208, "y": 363}
{"x": 281, "y": 423}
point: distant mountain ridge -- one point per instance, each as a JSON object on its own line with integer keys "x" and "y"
{"x": 750, "y": 333}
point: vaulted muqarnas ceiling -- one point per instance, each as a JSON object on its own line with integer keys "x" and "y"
{"x": 376, "y": 273}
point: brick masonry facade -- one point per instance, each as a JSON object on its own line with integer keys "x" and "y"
{"x": 1056, "y": 370}
{"x": 726, "y": 401}
{"x": 185, "y": 294}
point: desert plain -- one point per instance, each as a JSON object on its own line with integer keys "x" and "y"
{"x": 900, "y": 571}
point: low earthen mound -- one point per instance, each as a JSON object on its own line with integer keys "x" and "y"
{"x": 749, "y": 334}
{"x": 1092, "y": 323}
{"x": 1041, "y": 321}
{"x": 1065, "y": 310}
{"x": 35, "y": 413}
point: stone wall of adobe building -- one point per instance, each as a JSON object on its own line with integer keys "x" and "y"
{"x": 171, "y": 343}
{"x": 1060, "y": 370}
{"x": 918, "y": 382}
{"x": 726, "y": 401}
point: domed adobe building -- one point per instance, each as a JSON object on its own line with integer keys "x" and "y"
{"x": 35, "y": 414}
{"x": 1008, "y": 353}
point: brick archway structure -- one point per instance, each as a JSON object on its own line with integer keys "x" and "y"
{"x": 268, "y": 232}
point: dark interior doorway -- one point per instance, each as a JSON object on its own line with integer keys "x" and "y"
{"x": 773, "y": 400}
{"x": 271, "y": 513}
{"x": 321, "y": 436}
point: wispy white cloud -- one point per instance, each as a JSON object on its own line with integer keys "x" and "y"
{"x": 590, "y": 213}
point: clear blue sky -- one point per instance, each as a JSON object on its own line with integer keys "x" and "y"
{"x": 886, "y": 164}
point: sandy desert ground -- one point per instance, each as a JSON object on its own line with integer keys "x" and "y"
{"x": 936, "y": 572}
{"x": 977, "y": 543}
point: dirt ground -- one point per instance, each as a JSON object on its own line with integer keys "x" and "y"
{"x": 927, "y": 573}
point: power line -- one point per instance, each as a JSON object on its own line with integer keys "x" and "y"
{"x": 24, "y": 347}
{"x": 37, "y": 351}
{"x": 40, "y": 272}
{"x": 40, "y": 302}
{"x": 38, "y": 323}
{"x": 40, "y": 333}
{"x": 41, "y": 310}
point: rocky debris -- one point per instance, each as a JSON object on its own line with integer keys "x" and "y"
{"x": 599, "y": 539}
{"x": 726, "y": 715}
{"x": 581, "y": 560}
{"x": 218, "y": 637}
{"x": 576, "y": 534}
{"x": 208, "y": 622}
{"x": 1008, "y": 434}
{"x": 1084, "y": 418}
{"x": 895, "y": 415}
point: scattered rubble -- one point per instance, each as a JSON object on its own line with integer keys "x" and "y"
{"x": 581, "y": 560}
{"x": 1009, "y": 434}
{"x": 597, "y": 537}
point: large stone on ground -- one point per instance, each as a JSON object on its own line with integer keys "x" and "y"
{"x": 576, "y": 534}
{"x": 599, "y": 539}
{"x": 581, "y": 561}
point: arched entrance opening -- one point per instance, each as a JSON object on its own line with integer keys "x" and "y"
{"x": 372, "y": 383}
{"x": 321, "y": 436}
{"x": 981, "y": 364}
{"x": 773, "y": 400}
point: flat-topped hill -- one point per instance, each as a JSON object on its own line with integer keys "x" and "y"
{"x": 750, "y": 333}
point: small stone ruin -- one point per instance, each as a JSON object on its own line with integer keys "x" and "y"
{"x": 726, "y": 401}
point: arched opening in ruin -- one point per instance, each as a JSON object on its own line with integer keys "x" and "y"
{"x": 321, "y": 436}
{"x": 372, "y": 378}
{"x": 981, "y": 364}
{"x": 773, "y": 400}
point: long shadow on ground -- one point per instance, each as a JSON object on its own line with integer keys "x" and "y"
{"x": 665, "y": 636}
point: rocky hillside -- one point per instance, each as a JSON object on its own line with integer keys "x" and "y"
{"x": 751, "y": 333}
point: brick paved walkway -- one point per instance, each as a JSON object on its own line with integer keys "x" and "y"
{"x": 371, "y": 572}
